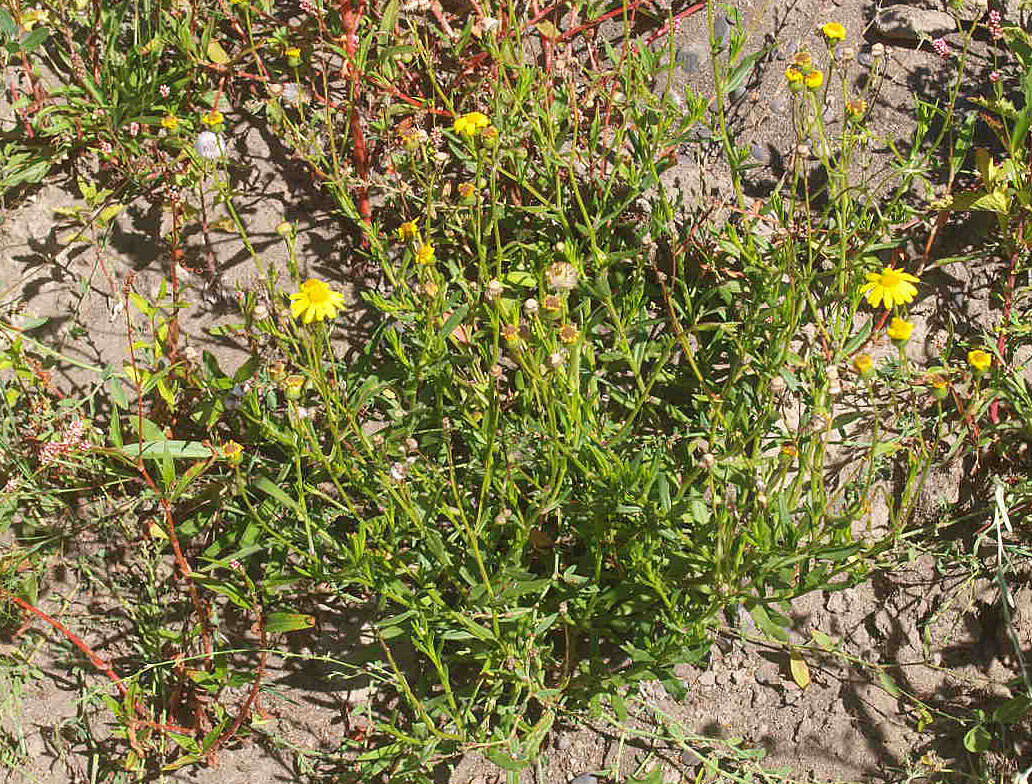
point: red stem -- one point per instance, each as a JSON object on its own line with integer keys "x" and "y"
{"x": 672, "y": 25}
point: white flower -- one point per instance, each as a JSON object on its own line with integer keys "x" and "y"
{"x": 489, "y": 23}
{"x": 494, "y": 289}
{"x": 556, "y": 359}
{"x": 562, "y": 276}
{"x": 531, "y": 306}
{"x": 210, "y": 145}
{"x": 399, "y": 471}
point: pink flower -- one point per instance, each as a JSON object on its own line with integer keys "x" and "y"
{"x": 165, "y": 91}
{"x": 942, "y": 48}
{"x": 105, "y": 147}
{"x": 995, "y": 77}
{"x": 134, "y": 129}
{"x": 308, "y": 6}
{"x": 995, "y": 26}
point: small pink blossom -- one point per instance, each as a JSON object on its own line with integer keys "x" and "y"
{"x": 134, "y": 129}
{"x": 165, "y": 91}
{"x": 995, "y": 25}
{"x": 942, "y": 48}
{"x": 105, "y": 147}
{"x": 308, "y": 6}
{"x": 995, "y": 77}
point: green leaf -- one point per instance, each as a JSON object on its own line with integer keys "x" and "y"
{"x": 283, "y": 622}
{"x": 216, "y": 53}
{"x": 8, "y": 26}
{"x": 1013, "y": 709}
{"x": 800, "y": 670}
{"x": 34, "y": 39}
{"x": 888, "y": 683}
{"x": 158, "y": 449}
{"x": 453, "y": 321}
{"x": 766, "y": 625}
{"x": 977, "y": 739}
{"x": 270, "y": 488}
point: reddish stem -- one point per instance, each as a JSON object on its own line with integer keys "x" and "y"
{"x": 624, "y": 8}
{"x": 352, "y": 15}
{"x": 1008, "y": 305}
{"x": 671, "y": 26}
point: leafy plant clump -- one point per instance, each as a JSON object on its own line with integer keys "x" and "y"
{"x": 566, "y": 426}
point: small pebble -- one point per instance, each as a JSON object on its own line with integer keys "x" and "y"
{"x": 585, "y": 778}
{"x": 866, "y": 59}
{"x": 760, "y": 153}
{"x": 721, "y": 31}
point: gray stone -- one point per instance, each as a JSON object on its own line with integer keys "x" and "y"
{"x": 585, "y": 778}
{"x": 866, "y": 59}
{"x": 563, "y": 742}
{"x": 691, "y": 57}
{"x": 768, "y": 674}
{"x": 708, "y": 678}
{"x": 906, "y": 23}
{"x": 721, "y": 31}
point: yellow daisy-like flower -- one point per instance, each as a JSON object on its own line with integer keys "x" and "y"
{"x": 426, "y": 254}
{"x": 980, "y": 360}
{"x": 170, "y": 121}
{"x": 900, "y": 329}
{"x": 856, "y": 109}
{"x": 803, "y": 61}
{"x": 834, "y": 31}
{"x": 212, "y": 118}
{"x": 568, "y": 334}
{"x": 315, "y": 301}
{"x": 293, "y": 53}
{"x": 864, "y": 365}
{"x": 891, "y": 286}
{"x": 939, "y": 387}
{"x": 408, "y": 231}
{"x": 233, "y": 453}
{"x": 793, "y": 75}
{"x": 814, "y": 79}
{"x": 471, "y": 124}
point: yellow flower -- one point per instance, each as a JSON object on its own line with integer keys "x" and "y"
{"x": 170, "y": 121}
{"x": 834, "y": 31}
{"x": 315, "y": 301}
{"x": 814, "y": 79}
{"x": 900, "y": 329}
{"x": 980, "y": 360}
{"x": 864, "y": 365}
{"x": 408, "y": 231}
{"x": 511, "y": 332}
{"x": 471, "y": 124}
{"x": 568, "y": 334}
{"x": 233, "y": 452}
{"x": 467, "y": 191}
{"x": 212, "y": 118}
{"x": 939, "y": 387}
{"x": 293, "y": 53}
{"x": 292, "y": 386}
{"x": 793, "y": 75}
{"x": 891, "y": 286}
{"x": 803, "y": 61}
{"x": 426, "y": 254}
{"x": 856, "y": 109}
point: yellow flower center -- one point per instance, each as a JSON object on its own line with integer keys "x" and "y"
{"x": 890, "y": 278}
{"x": 316, "y": 291}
